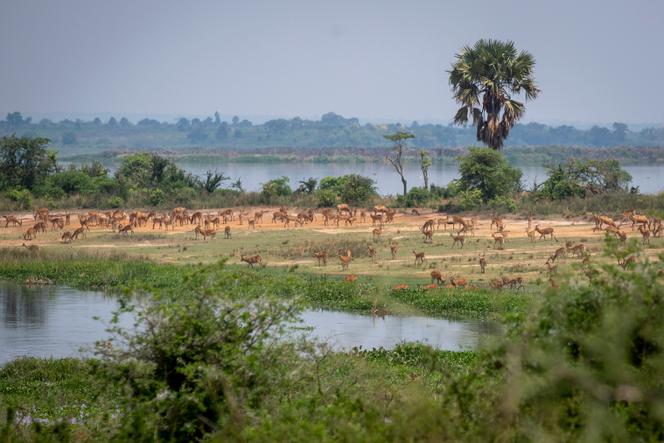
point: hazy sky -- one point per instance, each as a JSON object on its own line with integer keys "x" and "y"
{"x": 597, "y": 61}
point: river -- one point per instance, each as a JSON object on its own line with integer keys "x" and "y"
{"x": 56, "y": 321}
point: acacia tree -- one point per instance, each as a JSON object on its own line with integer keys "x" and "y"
{"x": 425, "y": 162}
{"x": 399, "y": 139}
{"x": 484, "y": 80}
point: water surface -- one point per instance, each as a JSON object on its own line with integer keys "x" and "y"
{"x": 56, "y": 321}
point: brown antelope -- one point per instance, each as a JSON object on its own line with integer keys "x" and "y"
{"x": 498, "y": 221}
{"x": 498, "y": 240}
{"x": 204, "y": 232}
{"x": 31, "y": 248}
{"x": 458, "y": 282}
{"x": 393, "y": 251}
{"x": 645, "y": 235}
{"x": 350, "y": 278}
{"x": 560, "y": 252}
{"x": 363, "y": 216}
{"x": 376, "y": 219}
{"x": 601, "y": 220}
{"x": 482, "y": 264}
{"x": 251, "y": 260}
{"x": 428, "y": 225}
{"x": 372, "y": 253}
{"x": 376, "y": 233}
{"x": 30, "y": 234}
{"x": 126, "y": 230}
{"x": 459, "y": 238}
{"x": 638, "y": 220}
{"x": 66, "y": 237}
{"x": 41, "y": 213}
{"x": 40, "y": 227}
{"x": 456, "y": 220}
{"x": 13, "y": 220}
{"x": 576, "y": 250}
{"x": 625, "y": 262}
{"x": 345, "y": 260}
{"x": 514, "y": 282}
{"x": 321, "y": 256}
{"x": 78, "y": 231}
{"x": 428, "y": 236}
{"x": 437, "y": 277}
{"x": 552, "y": 269}
{"x": 419, "y": 258}
{"x": 531, "y": 234}
{"x": 543, "y": 232}
{"x": 252, "y": 223}
{"x": 227, "y": 231}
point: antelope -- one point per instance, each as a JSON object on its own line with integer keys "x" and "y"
{"x": 456, "y": 220}
{"x": 428, "y": 225}
{"x": 350, "y": 278}
{"x": 376, "y": 233}
{"x": 30, "y": 234}
{"x": 531, "y": 234}
{"x": 458, "y": 282}
{"x": 78, "y": 231}
{"x": 393, "y": 251}
{"x": 31, "y": 248}
{"x": 40, "y": 226}
{"x": 543, "y": 232}
{"x": 227, "y": 232}
{"x": 638, "y": 220}
{"x": 498, "y": 240}
{"x": 321, "y": 256}
{"x": 13, "y": 220}
{"x": 196, "y": 217}
{"x": 482, "y": 264}
{"x": 560, "y": 252}
{"x": 437, "y": 277}
{"x": 66, "y": 237}
{"x": 419, "y": 257}
{"x": 498, "y": 221}
{"x": 41, "y": 213}
{"x": 645, "y": 235}
{"x": 415, "y": 212}
{"x": 460, "y": 239}
{"x": 126, "y": 230}
{"x": 577, "y": 250}
{"x": 251, "y": 260}
{"x": 428, "y": 236}
{"x": 372, "y": 253}
{"x": 514, "y": 282}
{"x": 345, "y": 260}
{"x": 363, "y": 216}
{"x": 376, "y": 219}
{"x": 258, "y": 216}
{"x": 204, "y": 232}
{"x": 631, "y": 259}
{"x": 252, "y": 223}
{"x": 552, "y": 269}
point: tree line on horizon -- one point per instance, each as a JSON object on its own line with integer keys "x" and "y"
{"x": 332, "y": 130}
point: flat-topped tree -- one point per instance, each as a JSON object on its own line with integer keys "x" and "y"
{"x": 399, "y": 139}
{"x": 485, "y": 79}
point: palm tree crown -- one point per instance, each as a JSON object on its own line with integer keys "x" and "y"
{"x": 484, "y": 79}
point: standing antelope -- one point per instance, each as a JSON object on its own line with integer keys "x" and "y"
{"x": 30, "y": 234}
{"x": 437, "y": 277}
{"x": 372, "y": 253}
{"x": 393, "y": 251}
{"x": 482, "y": 264}
{"x": 251, "y": 260}
{"x": 543, "y": 232}
{"x": 460, "y": 239}
{"x": 345, "y": 260}
{"x": 227, "y": 232}
{"x": 498, "y": 239}
{"x": 419, "y": 257}
{"x": 376, "y": 233}
{"x": 31, "y": 248}
{"x": 645, "y": 235}
{"x": 66, "y": 237}
{"x": 321, "y": 256}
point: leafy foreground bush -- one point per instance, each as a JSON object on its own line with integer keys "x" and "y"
{"x": 586, "y": 365}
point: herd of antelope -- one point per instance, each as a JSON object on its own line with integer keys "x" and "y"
{"x": 206, "y": 224}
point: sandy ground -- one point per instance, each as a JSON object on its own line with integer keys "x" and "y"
{"x": 288, "y": 246}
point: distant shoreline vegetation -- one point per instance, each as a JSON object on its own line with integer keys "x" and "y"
{"x": 540, "y": 156}
{"x": 332, "y": 131}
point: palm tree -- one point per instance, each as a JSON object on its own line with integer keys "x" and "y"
{"x": 484, "y": 80}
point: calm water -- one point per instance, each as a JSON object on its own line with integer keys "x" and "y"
{"x": 48, "y": 321}
{"x": 648, "y": 178}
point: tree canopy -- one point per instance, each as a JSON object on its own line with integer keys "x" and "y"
{"x": 488, "y": 171}
{"x": 485, "y": 80}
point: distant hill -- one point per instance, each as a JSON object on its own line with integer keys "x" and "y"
{"x": 76, "y": 137}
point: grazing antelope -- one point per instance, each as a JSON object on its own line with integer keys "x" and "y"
{"x": 460, "y": 239}
{"x": 498, "y": 239}
{"x": 66, "y": 237}
{"x": 437, "y": 277}
{"x": 551, "y": 268}
{"x": 482, "y": 264}
{"x": 560, "y": 252}
{"x": 345, "y": 260}
{"x": 629, "y": 260}
{"x": 126, "y": 230}
{"x": 78, "y": 231}
{"x": 428, "y": 225}
{"x": 419, "y": 258}
{"x": 31, "y": 248}
{"x": 376, "y": 233}
{"x": 204, "y": 232}
{"x": 321, "y": 256}
{"x": 638, "y": 220}
{"x": 415, "y": 212}
{"x": 576, "y": 250}
{"x": 645, "y": 235}
{"x": 458, "y": 282}
{"x": 30, "y": 234}
{"x": 350, "y": 278}
{"x": 251, "y": 260}
{"x": 393, "y": 251}
{"x": 227, "y": 231}
{"x": 13, "y": 220}
{"x": 372, "y": 253}
{"x": 456, "y": 220}
{"x": 543, "y": 232}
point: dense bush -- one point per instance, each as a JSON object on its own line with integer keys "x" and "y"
{"x": 579, "y": 178}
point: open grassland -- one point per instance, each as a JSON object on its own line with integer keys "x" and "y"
{"x": 294, "y": 247}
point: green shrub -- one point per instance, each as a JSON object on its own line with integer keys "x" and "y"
{"x": 21, "y": 196}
